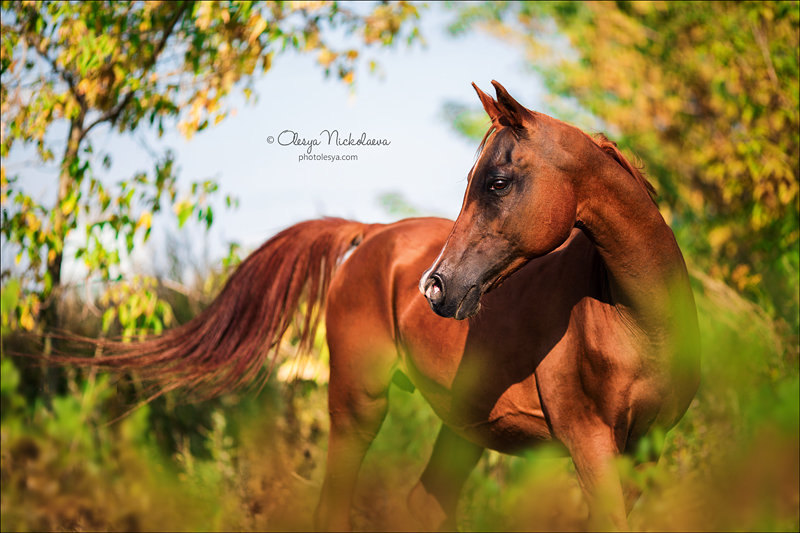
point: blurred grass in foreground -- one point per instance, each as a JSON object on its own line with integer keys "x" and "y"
{"x": 256, "y": 462}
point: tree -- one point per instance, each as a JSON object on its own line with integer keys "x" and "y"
{"x": 708, "y": 95}
{"x": 125, "y": 66}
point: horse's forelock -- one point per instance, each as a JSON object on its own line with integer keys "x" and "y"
{"x": 492, "y": 129}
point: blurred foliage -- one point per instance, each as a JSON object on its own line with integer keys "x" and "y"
{"x": 129, "y": 65}
{"x": 466, "y": 120}
{"x": 254, "y": 462}
{"x": 397, "y": 205}
{"x": 707, "y": 94}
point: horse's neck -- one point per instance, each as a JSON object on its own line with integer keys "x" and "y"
{"x": 647, "y": 274}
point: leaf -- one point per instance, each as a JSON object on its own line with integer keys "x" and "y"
{"x": 69, "y": 203}
{"x": 108, "y": 318}
{"x": 184, "y": 211}
{"x": 145, "y": 220}
{"x": 9, "y": 297}
{"x": 9, "y": 377}
{"x": 26, "y": 319}
{"x": 257, "y": 28}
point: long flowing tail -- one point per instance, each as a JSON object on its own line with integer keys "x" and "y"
{"x": 227, "y": 345}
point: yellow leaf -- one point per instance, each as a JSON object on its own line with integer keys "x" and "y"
{"x": 203, "y": 20}
{"x": 258, "y": 27}
{"x": 719, "y": 236}
{"x": 307, "y": 5}
{"x": 32, "y": 221}
{"x": 326, "y": 57}
{"x": 26, "y": 320}
{"x": 145, "y": 220}
{"x": 84, "y": 86}
{"x": 67, "y": 206}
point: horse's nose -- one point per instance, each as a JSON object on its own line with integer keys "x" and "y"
{"x": 434, "y": 289}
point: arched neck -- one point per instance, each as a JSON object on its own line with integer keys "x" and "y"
{"x": 647, "y": 273}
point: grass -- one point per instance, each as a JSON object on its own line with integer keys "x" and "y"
{"x": 256, "y": 462}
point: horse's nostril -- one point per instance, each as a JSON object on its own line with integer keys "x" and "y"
{"x": 434, "y": 290}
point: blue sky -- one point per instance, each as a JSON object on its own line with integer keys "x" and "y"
{"x": 426, "y": 162}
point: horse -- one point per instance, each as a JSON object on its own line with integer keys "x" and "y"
{"x": 557, "y": 307}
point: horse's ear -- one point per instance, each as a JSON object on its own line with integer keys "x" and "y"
{"x": 489, "y": 105}
{"x": 513, "y": 113}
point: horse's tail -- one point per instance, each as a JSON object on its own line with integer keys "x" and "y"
{"x": 226, "y": 346}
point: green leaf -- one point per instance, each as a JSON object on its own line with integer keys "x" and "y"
{"x": 184, "y": 212}
{"x": 108, "y": 317}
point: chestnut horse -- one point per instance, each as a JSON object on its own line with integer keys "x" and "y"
{"x": 592, "y": 341}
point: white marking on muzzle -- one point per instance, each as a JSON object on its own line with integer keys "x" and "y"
{"x": 424, "y": 279}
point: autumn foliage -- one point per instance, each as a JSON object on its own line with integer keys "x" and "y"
{"x": 706, "y": 94}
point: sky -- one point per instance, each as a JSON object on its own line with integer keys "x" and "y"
{"x": 426, "y": 161}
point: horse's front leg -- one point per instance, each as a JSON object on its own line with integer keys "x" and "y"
{"x": 434, "y": 499}
{"x": 594, "y": 451}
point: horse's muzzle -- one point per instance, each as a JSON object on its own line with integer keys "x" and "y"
{"x": 453, "y": 302}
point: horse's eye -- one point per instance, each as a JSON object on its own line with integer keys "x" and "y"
{"x": 498, "y": 184}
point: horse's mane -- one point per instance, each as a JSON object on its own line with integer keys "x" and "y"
{"x": 610, "y": 147}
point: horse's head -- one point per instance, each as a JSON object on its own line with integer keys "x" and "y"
{"x": 520, "y": 203}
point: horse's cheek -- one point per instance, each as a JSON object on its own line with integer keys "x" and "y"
{"x": 553, "y": 220}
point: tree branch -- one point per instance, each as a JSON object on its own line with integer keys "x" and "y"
{"x": 112, "y": 114}
{"x": 65, "y": 74}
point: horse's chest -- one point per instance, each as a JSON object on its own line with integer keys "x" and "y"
{"x": 497, "y": 409}
{"x": 511, "y": 423}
